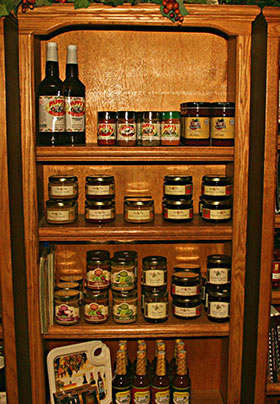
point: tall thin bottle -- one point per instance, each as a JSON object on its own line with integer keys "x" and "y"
{"x": 141, "y": 386}
{"x": 160, "y": 385}
{"x": 51, "y": 102}
{"x": 121, "y": 386}
{"x": 181, "y": 384}
{"x": 74, "y": 92}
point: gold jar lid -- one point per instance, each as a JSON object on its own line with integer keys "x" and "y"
{"x": 67, "y": 294}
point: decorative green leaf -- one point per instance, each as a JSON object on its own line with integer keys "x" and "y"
{"x": 4, "y": 10}
{"x": 82, "y": 3}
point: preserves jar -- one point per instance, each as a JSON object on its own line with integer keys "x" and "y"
{"x": 131, "y": 255}
{"x": 195, "y": 117}
{"x": 106, "y": 128}
{"x": 123, "y": 273}
{"x": 154, "y": 272}
{"x": 217, "y": 211}
{"x": 216, "y": 187}
{"x": 98, "y": 274}
{"x": 186, "y": 307}
{"x": 125, "y": 306}
{"x": 180, "y": 210}
{"x": 222, "y": 123}
{"x": 176, "y": 186}
{"x": 126, "y": 128}
{"x": 150, "y": 129}
{"x": 60, "y": 211}
{"x": 218, "y": 269}
{"x": 170, "y": 128}
{"x": 66, "y": 307}
{"x": 138, "y": 210}
{"x": 100, "y": 186}
{"x": 63, "y": 187}
{"x": 187, "y": 267}
{"x": 185, "y": 284}
{"x": 75, "y": 279}
{"x": 99, "y": 210}
{"x": 218, "y": 307}
{"x": 156, "y": 306}
{"x": 96, "y": 306}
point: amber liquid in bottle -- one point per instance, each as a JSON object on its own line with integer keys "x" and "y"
{"x": 141, "y": 386}
{"x": 160, "y": 385}
{"x": 121, "y": 386}
{"x": 51, "y": 102}
{"x": 181, "y": 384}
{"x": 74, "y": 92}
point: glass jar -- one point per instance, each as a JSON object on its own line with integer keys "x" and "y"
{"x": 216, "y": 187}
{"x": 222, "y": 123}
{"x": 185, "y": 284}
{"x": 176, "y": 186}
{"x": 99, "y": 210}
{"x": 178, "y": 211}
{"x": 154, "y": 272}
{"x": 125, "y": 306}
{"x": 150, "y": 129}
{"x": 59, "y": 211}
{"x": 63, "y": 187}
{"x": 100, "y": 186}
{"x": 75, "y": 279}
{"x": 218, "y": 308}
{"x": 217, "y": 211}
{"x": 106, "y": 128}
{"x": 218, "y": 269}
{"x": 96, "y": 307}
{"x": 123, "y": 273}
{"x": 126, "y": 128}
{"x": 187, "y": 308}
{"x": 170, "y": 128}
{"x": 139, "y": 210}
{"x": 131, "y": 255}
{"x": 156, "y": 306}
{"x": 66, "y": 286}
{"x": 195, "y": 117}
{"x": 66, "y": 307}
{"x": 189, "y": 267}
{"x": 98, "y": 269}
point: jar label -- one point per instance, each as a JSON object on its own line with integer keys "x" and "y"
{"x": 125, "y": 312}
{"x": 61, "y": 215}
{"x": 67, "y": 190}
{"x": 178, "y": 214}
{"x": 98, "y": 278}
{"x": 170, "y": 131}
{"x": 99, "y": 189}
{"x": 155, "y": 310}
{"x": 67, "y": 314}
{"x": 178, "y": 189}
{"x": 217, "y": 190}
{"x": 185, "y": 290}
{"x": 122, "y": 280}
{"x": 122, "y": 397}
{"x": 126, "y": 131}
{"x": 51, "y": 113}
{"x": 141, "y": 395}
{"x": 3, "y": 397}
{"x": 139, "y": 214}
{"x": 218, "y": 309}
{"x": 186, "y": 311}
{"x": 181, "y": 396}
{"x": 96, "y": 313}
{"x": 160, "y": 395}
{"x": 218, "y": 276}
{"x": 196, "y": 128}
{"x": 75, "y": 114}
{"x": 276, "y": 276}
{"x": 206, "y": 298}
{"x": 222, "y": 127}
{"x": 214, "y": 214}
{"x": 154, "y": 277}
{"x": 99, "y": 214}
{"x": 150, "y": 131}
{"x": 106, "y": 131}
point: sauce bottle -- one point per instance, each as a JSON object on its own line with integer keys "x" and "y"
{"x": 121, "y": 387}
{"x": 160, "y": 385}
{"x": 181, "y": 384}
{"x": 172, "y": 366}
{"x": 141, "y": 386}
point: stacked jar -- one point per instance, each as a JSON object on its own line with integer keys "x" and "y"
{"x": 62, "y": 206}
{"x": 67, "y": 303}
{"x": 138, "y": 209}
{"x": 177, "y": 205}
{"x": 154, "y": 293}
{"x": 100, "y": 199}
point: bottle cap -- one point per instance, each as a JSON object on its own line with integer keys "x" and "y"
{"x": 52, "y": 52}
{"x": 72, "y": 54}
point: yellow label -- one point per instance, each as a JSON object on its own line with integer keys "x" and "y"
{"x": 196, "y": 128}
{"x": 222, "y": 127}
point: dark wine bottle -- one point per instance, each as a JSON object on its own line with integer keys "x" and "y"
{"x": 121, "y": 386}
{"x": 141, "y": 386}
{"x": 181, "y": 384}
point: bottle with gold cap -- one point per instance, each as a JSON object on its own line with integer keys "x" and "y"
{"x": 121, "y": 386}
{"x": 160, "y": 384}
{"x": 181, "y": 384}
{"x": 141, "y": 386}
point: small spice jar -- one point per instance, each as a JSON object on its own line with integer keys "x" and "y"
{"x": 126, "y": 128}
{"x": 61, "y": 211}
{"x": 179, "y": 211}
{"x": 195, "y": 117}
{"x": 218, "y": 308}
{"x": 139, "y": 210}
{"x": 185, "y": 284}
{"x": 156, "y": 306}
{"x": 216, "y": 187}
{"x": 154, "y": 272}
{"x": 125, "y": 306}
{"x": 106, "y": 128}
{"x": 63, "y": 187}
{"x": 187, "y": 308}
{"x": 222, "y": 123}
{"x": 150, "y": 129}
{"x": 218, "y": 269}
{"x": 96, "y": 306}
{"x": 66, "y": 307}
{"x": 122, "y": 273}
{"x": 217, "y": 211}
{"x": 188, "y": 267}
{"x": 98, "y": 269}
{"x": 75, "y": 279}
{"x": 176, "y": 186}
{"x": 99, "y": 210}
{"x": 100, "y": 186}
{"x": 170, "y": 128}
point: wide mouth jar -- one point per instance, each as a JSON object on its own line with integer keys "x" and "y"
{"x": 185, "y": 284}
{"x": 178, "y": 186}
{"x": 63, "y": 187}
{"x": 156, "y": 306}
{"x": 59, "y": 211}
{"x": 66, "y": 307}
{"x": 99, "y": 210}
{"x": 100, "y": 186}
{"x": 216, "y": 187}
{"x": 218, "y": 308}
{"x": 186, "y": 307}
{"x": 96, "y": 308}
{"x": 216, "y": 211}
{"x": 125, "y": 306}
{"x": 123, "y": 273}
{"x": 180, "y": 210}
{"x": 138, "y": 209}
{"x": 195, "y": 123}
{"x": 222, "y": 123}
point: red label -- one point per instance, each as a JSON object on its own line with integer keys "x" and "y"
{"x": 56, "y": 108}
{"x": 160, "y": 395}
{"x": 77, "y": 108}
{"x": 141, "y": 395}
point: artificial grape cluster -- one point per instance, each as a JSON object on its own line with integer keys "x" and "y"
{"x": 172, "y": 9}
{"x": 27, "y": 4}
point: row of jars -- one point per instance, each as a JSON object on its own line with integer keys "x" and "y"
{"x": 197, "y": 124}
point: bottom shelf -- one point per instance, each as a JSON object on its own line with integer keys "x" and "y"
{"x": 206, "y": 396}
{"x": 273, "y": 389}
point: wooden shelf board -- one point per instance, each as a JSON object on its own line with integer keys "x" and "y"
{"x": 119, "y": 230}
{"x": 275, "y": 297}
{"x": 92, "y": 153}
{"x": 277, "y": 221}
{"x": 272, "y": 389}
{"x": 206, "y": 396}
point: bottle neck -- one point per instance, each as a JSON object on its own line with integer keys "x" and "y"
{"x": 52, "y": 69}
{"x": 181, "y": 363}
{"x": 121, "y": 365}
{"x": 161, "y": 369}
{"x": 71, "y": 70}
{"x": 141, "y": 367}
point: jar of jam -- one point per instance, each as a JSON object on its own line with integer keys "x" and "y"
{"x": 125, "y": 306}
{"x": 176, "y": 186}
{"x": 100, "y": 186}
{"x": 218, "y": 269}
{"x": 218, "y": 308}
{"x": 60, "y": 211}
{"x": 179, "y": 211}
{"x": 222, "y": 123}
{"x": 99, "y": 210}
{"x": 185, "y": 284}
{"x": 98, "y": 269}
{"x": 126, "y": 132}
{"x": 150, "y": 129}
{"x": 122, "y": 273}
{"x": 139, "y": 210}
{"x": 186, "y": 307}
{"x": 156, "y": 306}
{"x": 106, "y": 128}
{"x": 75, "y": 279}
{"x": 154, "y": 272}
{"x": 195, "y": 117}
{"x": 217, "y": 211}
{"x": 188, "y": 267}
{"x": 63, "y": 187}
{"x": 66, "y": 307}
{"x": 131, "y": 255}
{"x": 170, "y": 128}
{"x": 96, "y": 307}
{"x": 216, "y": 187}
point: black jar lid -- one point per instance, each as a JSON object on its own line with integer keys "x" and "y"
{"x": 223, "y": 105}
{"x": 186, "y": 301}
{"x": 218, "y": 259}
{"x": 107, "y": 115}
{"x": 226, "y": 203}
{"x": 187, "y": 267}
{"x": 63, "y": 178}
{"x": 185, "y": 276}
{"x": 150, "y": 115}
{"x": 122, "y": 260}
{"x": 156, "y": 293}
{"x": 98, "y": 254}
{"x": 183, "y": 202}
{"x": 126, "y": 115}
{"x": 154, "y": 259}
{"x": 99, "y": 178}
{"x": 126, "y": 254}
{"x": 218, "y": 290}
{"x": 195, "y": 105}
{"x": 215, "y": 178}
{"x": 61, "y": 203}
{"x": 177, "y": 178}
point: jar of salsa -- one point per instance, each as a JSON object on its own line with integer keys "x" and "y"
{"x": 126, "y": 132}
{"x": 170, "y": 128}
{"x": 222, "y": 123}
{"x": 96, "y": 307}
{"x": 60, "y": 211}
{"x": 63, "y": 187}
{"x": 150, "y": 129}
{"x": 98, "y": 269}
{"x": 100, "y": 186}
{"x": 216, "y": 187}
{"x": 195, "y": 117}
{"x": 106, "y": 128}
{"x": 66, "y": 307}
{"x": 176, "y": 186}
{"x": 125, "y": 306}
{"x": 99, "y": 210}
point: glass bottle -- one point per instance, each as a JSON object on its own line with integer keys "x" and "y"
{"x": 181, "y": 384}
{"x": 74, "y": 92}
{"x": 51, "y": 102}
{"x": 160, "y": 385}
{"x": 142, "y": 346}
{"x": 141, "y": 386}
{"x": 172, "y": 366}
{"x": 160, "y": 346}
{"x": 121, "y": 386}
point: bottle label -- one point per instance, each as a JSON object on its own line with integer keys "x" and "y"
{"x": 123, "y": 279}
{"x": 150, "y": 131}
{"x": 124, "y": 312}
{"x": 170, "y": 131}
{"x": 154, "y": 277}
{"x": 156, "y": 310}
{"x": 217, "y": 190}
{"x": 141, "y": 395}
{"x": 196, "y": 128}
{"x": 67, "y": 314}
{"x": 178, "y": 214}
{"x": 99, "y": 214}
{"x": 106, "y": 131}
{"x": 220, "y": 214}
{"x": 96, "y": 313}
{"x": 99, "y": 189}
{"x": 139, "y": 214}
{"x": 160, "y": 395}
{"x": 75, "y": 114}
{"x": 185, "y": 290}
{"x": 218, "y": 276}
{"x": 98, "y": 278}
{"x": 178, "y": 189}
{"x": 60, "y": 215}
{"x": 222, "y": 127}
{"x": 126, "y": 131}
{"x": 66, "y": 190}
{"x": 218, "y": 309}
{"x": 122, "y": 397}
{"x": 186, "y": 311}
{"x": 181, "y": 396}
{"x": 51, "y": 113}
